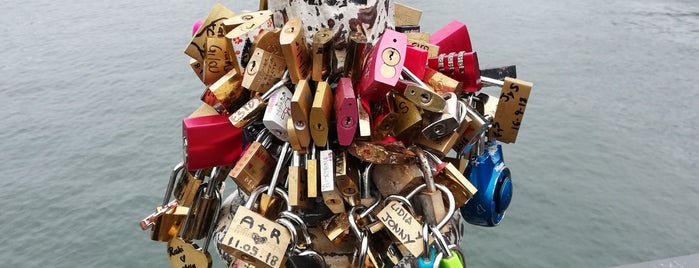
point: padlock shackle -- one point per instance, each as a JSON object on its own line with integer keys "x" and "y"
{"x": 365, "y": 191}
{"x": 440, "y": 242}
{"x": 402, "y": 199}
{"x": 353, "y": 221}
{"x": 285, "y": 78}
{"x": 171, "y": 184}
{"x": 314, "y": 255}
{"x": 425, "y": 168}
{"x": 277, "y": 169}
{"x": 260, "y": 189}
{"x": 195, "y": 204}
{"x": 294, "y": 235}
{"x": 213, "y": 221}
{"x": 450, "y": 199}
{"x": 487, "y": 81}
{"x": 296, "y": 219}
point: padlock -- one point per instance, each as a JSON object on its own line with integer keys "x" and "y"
{"x": 429, "y": 200}
{"x": 420, "y": 94}
{"x": 441, "y": 83}
{"x": 383, "y": 66}
{"x": 312, "y": 172}
{"x": 448, "y": 175}
{"x": 254, "y": 107}
{"x": 228, "y": 92}
{"x": 476, "y": 125}
{"x": 365, "y": 186}
{"x": 187, "y": 187}
{"x": 399, "y": 220}
{"x": 205, "y": 208}
{"x": 301, "y": 103}
{"x": 444, "y": 145}
{"x": 405, "y": 15}
{"x": 494, "y": 182}
{"x": 198, "y": 68}
{"x": 277, "y": 112}
{"x": 297, "y": 182}
{"x": 263, "y": 70}
{"x": 421, "y": 36}
{"x": 244, "y": 36}
{"x": 305, "y": 241}
{"x": 415, "y": 61}
{"x": 331, "y": 194}
{"x": 385, "y": 116}
{"x": 510, "y": 110}
{"x": 432, "y": 49}
{"x": 446, "y": 122}
{"x": 253, "y": 168}
{"x": 321, "y": 112}
{"x": 268, "y": 40}
{"x": 211, "y": 27}
{"x": 295, "y": 49}
{"x": 396, "y": 179}
{"x": 381, "y": 153}
{"x": 357, "y": 49}
{"x": 219, "y": 59}
{"x": 211, "y": 141}
{"x": 364, "y": 124}
{"x": 453, "y": 37}
{"x": 347, "y": 177}
{"x": 254, "y": 238}
{"x": 346, "y": 112}
{"x": 409, "y": 119}
{"x": 323, "y": 54}
{"x": 336, "y": 227}
{"x": 269, "y": 205}
{"x": 169, "y": 214}
{"x": 233, "y": 22}
{"x": 461, "y": 66}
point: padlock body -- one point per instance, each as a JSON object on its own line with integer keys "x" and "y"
{"x": 211, "y": 141}
{"x": 278, "y": 112}
{"x": 255, "y": 239}
{"x": 253, "y": 169}
{"x": 383, "y": 65}
{"x": 494, "y": 183}
{"x": 346, "y": 112}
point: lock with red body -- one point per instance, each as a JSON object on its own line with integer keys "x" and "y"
{"x": 211, "y": 141}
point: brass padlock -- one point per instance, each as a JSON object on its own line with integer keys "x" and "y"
{"x": 446, "y": 122}
{"x": 269, "y": 204}
{"x": 336, "y": 228}
{"x": 244, "y": 36}
{"x": 252, "y": 110}
{"x": 233, "y": 22}
{"x": 297, "y": 182}
{"x": 312, "y": 172}
{"x": 254, "y": 238}
{"x": 263, "y": 70}
{"x": 448, "y": 175}
{"x": 409, "y": 119}
{"x": 508, "y": 116}
{"x": 429, "y": 201}
{"x": 357, "y": 49}
{"x": 295, "y": 49}
{"x": 476, "y": 125}
{"x": 405, "y": 15}
{"x": 211, "y": 27}
{"x": 364, "y": 125}
{"x": 172, "y": 218}
{"x": 187, "y": 187}
{"x": 441, "y": 83}
{"x": 219, "y": 59}
{"x": 204, "y": 209}
{"x": 397, "y": 216}
{"x": 301, "y": 103}
{"x": 321, "y": 112}
{"x": 396, "y": 179}
{"x": 323, "y": 54}
{"x": 253, "y": 168}
{"x": 347, "y": 177}
{"x": 331, "y": 194}
{"x": 385, "y": 117}
{"x": 228, "y": 92}
{"x": 380, "y": 153}
{"x": 423, "y": 96}
{"x": 268, "y": 40}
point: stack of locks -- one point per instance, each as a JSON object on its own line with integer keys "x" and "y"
{"x": 348, "y": 148}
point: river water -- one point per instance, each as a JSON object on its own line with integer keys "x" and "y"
{"x": 93, "y": 94}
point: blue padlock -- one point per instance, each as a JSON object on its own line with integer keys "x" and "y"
{"x": 494, "y": 183}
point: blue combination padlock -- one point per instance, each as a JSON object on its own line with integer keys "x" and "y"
{"x": 494, "y": 183}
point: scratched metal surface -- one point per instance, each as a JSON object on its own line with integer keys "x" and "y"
{"x": 604, "y": 168}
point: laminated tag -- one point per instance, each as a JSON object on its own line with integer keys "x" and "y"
{"x": 211, "y": 27}
{"x": 510, "y": 110}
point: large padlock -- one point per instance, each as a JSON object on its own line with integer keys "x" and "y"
{"x": 510, "y": 110}
{"x": 205, "y": 207}
{"x": 254, "y": 238}
{"x": 211, "y": 141}
{"x": 494, "y": 182}
{"x": 398, "y": 217}
{"x": 383, "y": 65}
{"x": 211, "y": 27}
{"x": 253, "y": 168}
{"x": 219, "y": 59}
{"x": 295, "y": 49}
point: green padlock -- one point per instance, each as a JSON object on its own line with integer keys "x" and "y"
{"x": 452, "y": 255}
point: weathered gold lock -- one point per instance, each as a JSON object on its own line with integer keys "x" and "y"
{"x": 441, "y": 83}
{"x": 336, "y": 228}
{"x": 424, "y": 98}
{"x": 219, "y": 59}
{"x": 228, "y": 91}
{"x": 301, "y": 103}
{"x": 211, "y": 27}
{"x": 254, "y": 238}
{"x": 364, "y": 124}
{"x": 321, "y": 112}
{"x": 205, "y": 207}
{"x": 312, "y": 172}
{"x": 385, "y": 118}
{"x": 268, "y": 40}
{"x": 297, "y": 182}
{"x": 263, "y": 70}
{"x": 233, "y": 22}
{"x": 475, "y": 126}
{"x": 171, "y": 219}
{"x": 409, "y": 119}
{"x": 347, "y": 177}
{"x": 357, "y": 49}
{"x": 448, "y": 175}
{"x": 295, "y": 49}
{"x": 323, "y": 54}
{"x": 253, "y": 168}
{"x": 396, "y": 179}
{"x": 187, "y": 187}
{"x": 429, "y": 201}
{"x": 508, "y": 116}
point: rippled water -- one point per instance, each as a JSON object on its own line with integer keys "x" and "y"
{"x": 93, "y": 93}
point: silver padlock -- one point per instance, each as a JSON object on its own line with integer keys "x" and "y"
{"x": 278, "y": 112}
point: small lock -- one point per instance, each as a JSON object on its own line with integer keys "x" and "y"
{"x": 277, "y": 112}
{"x": 409, "y": 117}
{"x": 406, "y": 15}
{"x": 210, "y": 141}
{"x": 336, "y": 228}
{"x": 295, "y": 49}
{"x": 323, "y": 54}
{"x": 321, "y": 110}
{"x": 423, "y": 97}
{"x": 245, "y": 34}
{"x": 263, "y": 70}
{"x": 498, "y": 73}
{"x": 446, "y": 122}
{"x": 380, "y": 153}
{"x": 383, "y": 65}
{"x": 429, "y": 201}
{"x": 254, "y": 238}
{"x": 301, "y": 104}
{"x": 494, "y": 182}
{"x": 475, "y": 126}
{"x": 167, "y": 216}
{"x": 205, "y": 208}
{"x": 331, "y": 194}
{"x": 346, "y": 112}
{"x": 385, "y": 116}
{"x": 252, "y": 170}
{"x": 253, "y": 108}
{"x": 298, "y": 184}
{"x": 432, "y": 50}
{"x": 347, "y": 177}
{"x": 186, "y": 188}
{"x": 441, "y": 83}
{"x": 312, "y": 172}
{"x": 269, "y": 203}
{"x": 228, "y": 92}
{"x": 357, "y": 49}
{"x": 212, "y": 26}
{"x": 461, "y": 66}
{"x": 268, "y": 40}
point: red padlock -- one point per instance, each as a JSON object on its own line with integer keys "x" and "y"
{"x": 415, "y": 61}
{"x": 211, "y": 141}
{"x": 383, "y": 66}
{"x": 452, "y": 38}
{"x": 346, "y": 112}
{"x": 462, "y": 66}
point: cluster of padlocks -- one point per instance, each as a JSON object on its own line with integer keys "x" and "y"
{"x": 348, "y": 149}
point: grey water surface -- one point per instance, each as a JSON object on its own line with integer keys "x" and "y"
{"x": 93, "y": 94}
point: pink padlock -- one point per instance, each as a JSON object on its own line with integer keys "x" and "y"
{"x": 383, "y": 66}
{"x": 452, "y": 38}
{"x": 346, "y": 111}
{"x": 211, "y": 141}
{"x": 462, "y": 66}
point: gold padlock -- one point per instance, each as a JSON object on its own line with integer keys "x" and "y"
{"x": 429, "y": 200}
{"x": 268, "y": 40}
{"x": 336, "y": 228}
{"x": 263, "y": 70}
{"x": 347, "y": 177}
{"x": 320, "y": 114}
{"x": 252, "y": 170}
{"x": 198, "y": 68}
{"x": 187, "y": 187}
{"x": 441, "y": 83}
{"x": 385, "y": 118}
{"x": 171, "y": 218}
{"x": 254, "y": 238}
{"x": 409, "y": 119}
{"x": 301, "y": 103}
{"x": 295, "y": 49}
{"x": 312, "y": 172}
{"x": 205, "y": 208}
{"x": 229, "y": 92}
{"x": 508, "y": 116}
{"x": 357, "y": 49}
{"x": 449, "y": 176}
{"x": 323, "y": 54}
{"x": 219, "y": 59}
{"x": 233, "y": 22}
{"x": 211, "y": 27}
{"x": 364, "y": 125}
{"x": 297, "y": 182}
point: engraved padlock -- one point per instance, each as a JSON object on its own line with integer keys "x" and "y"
{"x": 211, "y": 27}
{"x": 331, "y": 193}
{"x": 226, "y": 94}
{"x": 441, "y": 83}
{"x": 252, "y": 110}
{"x": 323, "y": 54}
{"x": 187, "y": 186}
{"x": 219, "y": 59}
{"x": 233, "y": 22}
{"x": 494, "y": 182}
{"x": 398, "y": 217}
{"x": 346, "y": 113}
{"x": 263, "y": 70}
{"x": 277, "y": 112}
{"x": 254, "y": 238}
{"x": 295, "y": 49}
{"x": 510, "y": 110}
{"x": 409, "y": 118}
{"x": 210, "y": 141}
{"x": 383, "y": 65}
{"x": 253, "y": 168}
{"x": 204, "y": 210}
{"x": 244, "y": 36}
